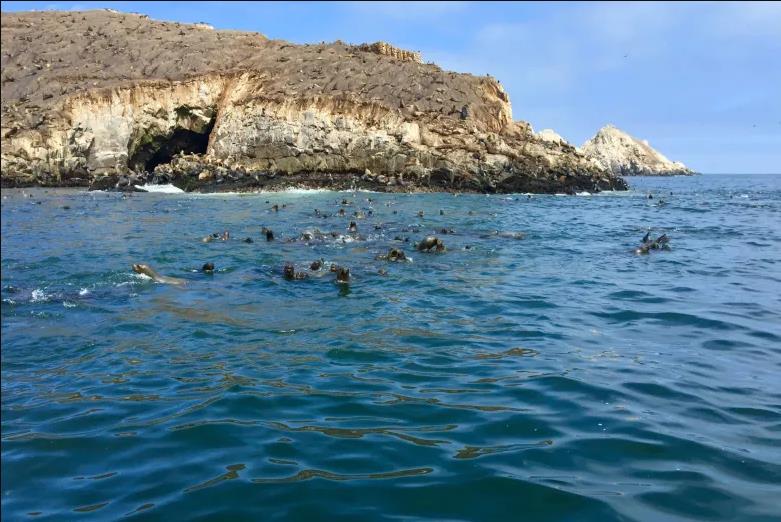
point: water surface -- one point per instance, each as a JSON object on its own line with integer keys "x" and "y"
{"x": 557, "y": 377}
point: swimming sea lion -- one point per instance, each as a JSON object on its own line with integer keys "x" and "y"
{"x": 316, "y": 265}
{"x": 429, "y": 243}
{"x": 275, "y": 208}
{"x": 289, "y": 272}
{"x": 341, "y": 212}
{"x": 148, "y": 271}
{"x": 660, "y": 243}
{"x": 396, "y": 254}
{"x": 248, "y": 240}
{"x": 353, "y": 227}
{"x": 225, "y": 236}
{"x": 208, "y": 268}
{"x": 269, "y": 234}
{"x": 343, "y": 275}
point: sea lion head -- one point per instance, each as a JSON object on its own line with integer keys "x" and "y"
{"x": 208, "y": 268}
{"x": 343, "y": 275}
{"x": 140, "y": 268}
{"x": 316, "y": 265}
{"x": 289, "y": 271}
{"x": 269, "y": 235}
{"x": 396, "y": 254}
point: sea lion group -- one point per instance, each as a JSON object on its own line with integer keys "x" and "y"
{"x": 428, "y": 244}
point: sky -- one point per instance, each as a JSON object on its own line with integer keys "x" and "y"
{"x": 700, "y": 81}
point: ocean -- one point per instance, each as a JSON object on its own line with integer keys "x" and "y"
{"x": 537, "y": 369}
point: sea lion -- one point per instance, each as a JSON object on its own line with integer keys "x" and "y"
{"x": 248, "y": 240}
{"x": 396, "y": 254}
{"x": 420, "y": 213}
{"x": 660, "y": 243}
{"x": 341, "y": 212}
{"x": 207, "y": 268}
{"x": 225, "y": 236}
{"x": 441, "y": 212}
{"x": 343, "y": 275}
{"x": 316, "y": 265}
{"x": 429, "y": 243}
{"x": 269, "y": 234}
{"x": 353, "y": 227}
{"x": 275, "y": 208}
{"x": 147, "y": 270}
{"x": 289, "y": 272}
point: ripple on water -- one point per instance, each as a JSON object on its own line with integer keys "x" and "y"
{"x": 562, "y": 376}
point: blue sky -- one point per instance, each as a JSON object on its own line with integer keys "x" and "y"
{"x": 700, "y": 81}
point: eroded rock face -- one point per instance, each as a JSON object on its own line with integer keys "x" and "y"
{"x": 624, "y": 155}
{"x": 112, "y": 99}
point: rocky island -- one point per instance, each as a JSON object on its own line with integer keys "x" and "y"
{"x": 114, "y": 100}
{"x": 624, "y": 155}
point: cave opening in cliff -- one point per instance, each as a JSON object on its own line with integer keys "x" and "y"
{"x": 160, "y": 149}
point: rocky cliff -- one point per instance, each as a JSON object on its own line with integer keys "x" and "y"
{"x": 108, "y": 99}
{"x": 624, "y": 155}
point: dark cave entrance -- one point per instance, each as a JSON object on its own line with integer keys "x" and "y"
{"x": 154, "y": 150}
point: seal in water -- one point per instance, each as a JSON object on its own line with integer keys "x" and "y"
{"x": 394, "y": 254}
{"x": 342, "y": 275}
{"x": 429, "y": 243}
{"x": 353, "y": 227}
{"x": 660, "y": 243}
{"x": 316, "y": 265}
{"x": 289, "y": 272}
{"x": 207, "y": 268}
{"x": 269, "y": 234}
{"x": 147, "y": 270}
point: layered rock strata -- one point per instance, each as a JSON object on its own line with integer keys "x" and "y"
{"x": 112, "y": 100}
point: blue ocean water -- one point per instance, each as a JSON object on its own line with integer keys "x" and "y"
{"x": 556, "y": 377}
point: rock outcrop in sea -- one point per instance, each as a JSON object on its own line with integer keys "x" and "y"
{"x": 112, "y": 100}
{"x": 624, "y": 155}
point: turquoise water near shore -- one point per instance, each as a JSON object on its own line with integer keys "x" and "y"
{"x": 556, "y": 377}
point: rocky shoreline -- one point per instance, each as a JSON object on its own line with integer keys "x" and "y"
{"x": 191, "y": 173}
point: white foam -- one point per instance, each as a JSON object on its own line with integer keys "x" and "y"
{"x": 584, "y": 193}
{"x": 68, "y": 304}
{"x": 39, "y": 296}
{"x": 161, "y": 189}
{"x": 83, "y": 291}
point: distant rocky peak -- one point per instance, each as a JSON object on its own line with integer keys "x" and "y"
{"x": 624, "y": 155}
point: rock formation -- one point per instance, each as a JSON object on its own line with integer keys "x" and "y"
{"x": 624, "y": 155}
{"x": 551, "y": 136}
{"x": 109, "y": 100}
